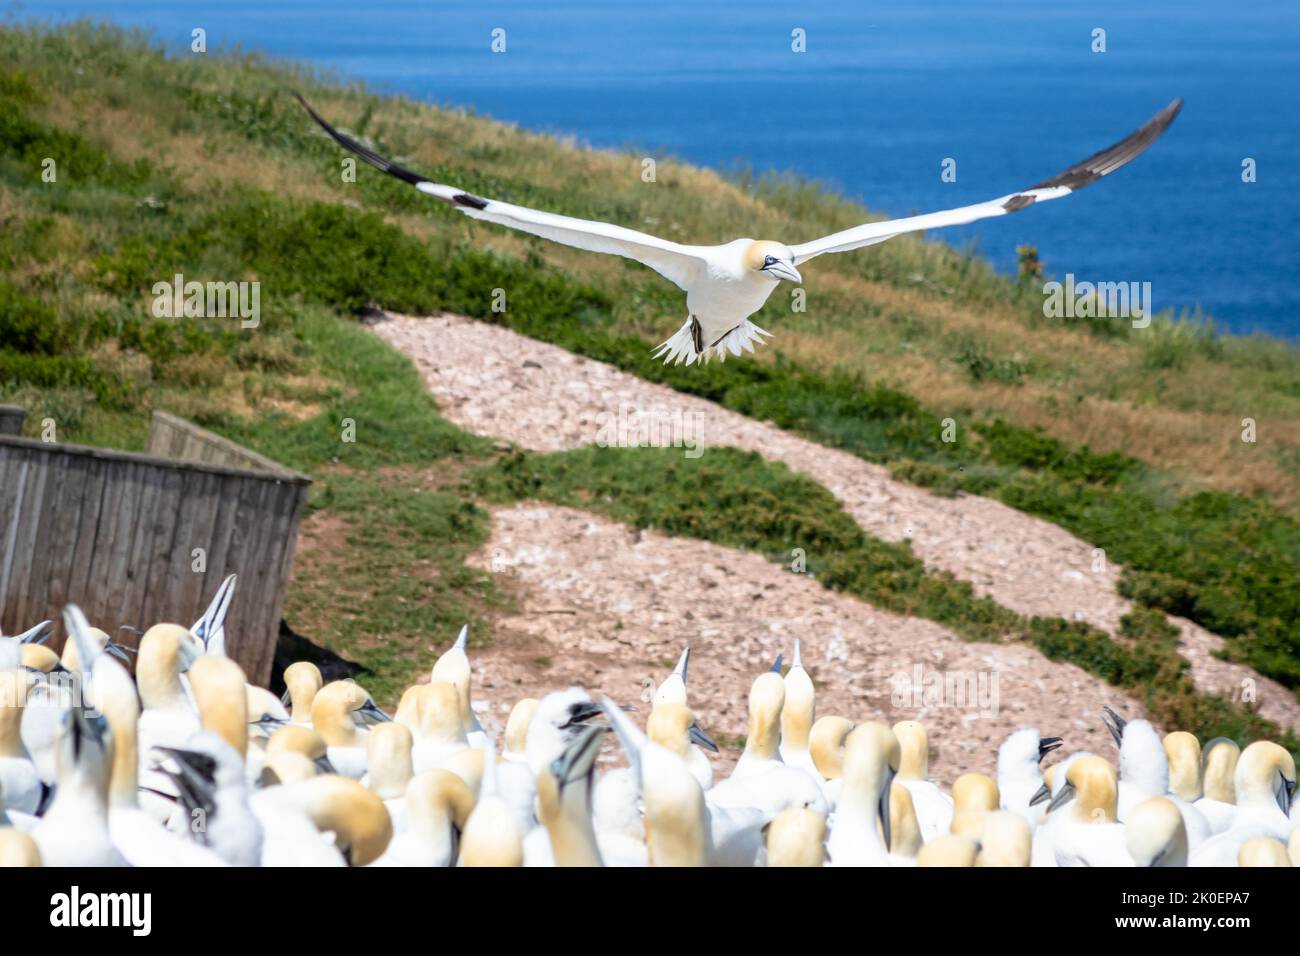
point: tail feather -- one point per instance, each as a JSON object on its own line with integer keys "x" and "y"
{"x": 684, "y": 344}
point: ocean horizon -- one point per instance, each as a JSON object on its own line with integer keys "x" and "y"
{"x": 875, "y": 108}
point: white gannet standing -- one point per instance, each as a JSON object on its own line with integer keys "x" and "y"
{"x": 1265, "y": 783}
{"x": 139, "y": 836}
{"x": 1006, "y": 841}
{"x": 673, "y": 689}
{"x": 797, "y": 837}
{"x": 826, "y": 747}
{"x": 48, "y": 700}
{"x": 1043, "y": 853}
{"x": 557, "y": 719}
{"x": 492, "y": 836}
{"x": 934, "y": 808}
{"x": 214, "y": 805}
{"x": 342, "y": 712}
{"x": 1020, "y": 774}
{"x": 673, "y": 692}
{"x": 390, "y": 768}
{"x": 974, "y": 797}
{"x": 677, "y": 822}
{"x": 441, "y": 730}
{"x": 675, "y": 727}
{"x": 904, "y": 828}
{"x": 859, "y": 834}
{"x": 453, "y": 667}
{"x": 21, "y": 787}
{"x": 1218, "y": 772}
{"x": 1144, "y": 773}
{"x": 567, "y": 835}
{"x": 1183, "y": 752}
{"x": 302, "y": 681}
{"x": 169, "y": 716}
{"x": 514, "y": 777}
{"x": 437, "y": 804}
{"x": 142, "y": 840}
{"x": 1088, "y": 833}
{"x": 1155, "y": 834}
{"x": 761, "y": 781}
{"x": 516, "y": 736}
{"x": 728, "y": 283}
{"x": 74, "y": 830}
{"x": 797, "y": 716}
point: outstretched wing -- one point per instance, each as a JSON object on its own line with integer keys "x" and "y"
{"x": 677, "y": 263}
{"x": 1076, "y": 177}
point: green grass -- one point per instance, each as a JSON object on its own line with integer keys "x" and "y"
{"x": 78, "y": 343}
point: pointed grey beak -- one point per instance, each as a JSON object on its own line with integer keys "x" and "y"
{"x": 37, "y": 635}
{"x": 1116, "y": 729}
{"x": 213, "y": 620}
{"x": 1286, "y": 795}
{"x": 1062, "y": 798}
{"x": 120, "y": 651}
{"x": 268, "y": 723}
{"x": 323, "y": 764}
{"x": 579, "y": 757}
{"x": 371, "y": 714}
{"x": 697, "y": 736}
{"x": 783, "y": 270}
{"x": 1041, "y": 794}
{"x": 582, "y": 712}
{"x": 776, "y": 664}
{"x": 83, "y": 724}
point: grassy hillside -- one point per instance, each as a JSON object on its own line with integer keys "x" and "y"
{"x": 206, "y": 166}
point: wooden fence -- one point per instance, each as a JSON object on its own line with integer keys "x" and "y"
{"x": 141, "y": 538}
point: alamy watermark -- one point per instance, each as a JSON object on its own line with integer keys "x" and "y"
{"x": 212, "y": 300}
{"x": 929, "y": 689}
{"x": 1098, "y": 300}
{"x": 656, "y": 427}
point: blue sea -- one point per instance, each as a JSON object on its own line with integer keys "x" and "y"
{"x": 884, "y": 93}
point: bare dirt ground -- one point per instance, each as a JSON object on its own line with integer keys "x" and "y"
{"x": 606, "y": 606}
{"x": 495, "y": 382}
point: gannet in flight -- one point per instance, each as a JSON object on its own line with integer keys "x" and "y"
{"x": 726, "y": 284}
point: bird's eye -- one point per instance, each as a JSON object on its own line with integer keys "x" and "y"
{"x": 768, "y": 260}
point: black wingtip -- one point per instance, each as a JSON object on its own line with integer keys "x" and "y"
{"x": 369, "y": 155}
{"x": 1106, "y": 161}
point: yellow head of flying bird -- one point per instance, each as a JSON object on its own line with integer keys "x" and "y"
{"x": 772, "y": 259}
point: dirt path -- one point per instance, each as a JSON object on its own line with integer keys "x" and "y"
{"x": 495, "y": 382}
{"x": 605, "y": 606}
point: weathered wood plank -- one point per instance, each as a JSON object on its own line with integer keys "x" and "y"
{"x": 114, "y": 532}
